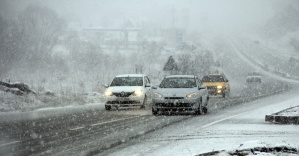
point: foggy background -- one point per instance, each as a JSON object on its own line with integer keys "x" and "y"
{"x": 77, "y": 46}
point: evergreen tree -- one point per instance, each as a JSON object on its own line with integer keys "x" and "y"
{"x": 171, "y": 66}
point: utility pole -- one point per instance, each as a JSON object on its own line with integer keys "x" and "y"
{"x": 173, "y": 26}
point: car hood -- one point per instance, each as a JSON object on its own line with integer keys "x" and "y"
{"x": 177, "y": 92}
{"x": 118, "y": 89}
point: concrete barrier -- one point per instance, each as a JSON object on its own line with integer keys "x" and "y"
{"x": 282, "y": 119}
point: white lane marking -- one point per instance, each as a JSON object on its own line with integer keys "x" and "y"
{"x": 215, "y": 122}
{"x": 112, "y": 121}
{"x": 10, "y": 143}
{"x": 76, "y": 128}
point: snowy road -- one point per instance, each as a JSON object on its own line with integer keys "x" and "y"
{"x": 219, "y": 130}
{"x": 82, "y": 132}
{"x": 223, "y": 129}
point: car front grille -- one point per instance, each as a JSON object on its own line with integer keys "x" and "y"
{"x": 174, "y": 104}
{"x": 174, "y": 97}
{"x": 123, "y": 102}
{"x": 123, "y": 94}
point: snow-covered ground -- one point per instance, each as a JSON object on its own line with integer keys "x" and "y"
{"x": 14, "y": 103}
{"x": 238, "y": 127}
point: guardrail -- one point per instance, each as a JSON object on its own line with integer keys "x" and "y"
{"x": 265, "y": 67}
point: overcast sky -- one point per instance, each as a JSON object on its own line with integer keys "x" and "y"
{"x": 225, "y": 14}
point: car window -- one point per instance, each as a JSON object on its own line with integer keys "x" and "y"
{"x": 178, "y": 82}
{"x": 127, "y": 81}
{"x": 213, "y": 78}
{"x": 147, "y": 79}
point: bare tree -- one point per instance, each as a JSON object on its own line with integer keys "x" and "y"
{"x": 6, "y": 57}
{"x": 40, "y": 29}
{"x": 185, "y": 63}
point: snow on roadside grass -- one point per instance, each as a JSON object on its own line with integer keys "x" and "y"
{"x": 11, "y": 103}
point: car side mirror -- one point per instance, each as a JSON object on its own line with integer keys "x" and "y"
{"x": 106, "y": 85}
{"x": 154, "y": 87}
{"x": 148, "y": 85}
{"x": 201, "y": 87}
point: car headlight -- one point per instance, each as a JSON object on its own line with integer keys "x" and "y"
{"x": 138, "y": 93}
{"x": 158, "y": 96}
{"x": 192, "y": 95}
{"x": 219, "y": 87}
{"x": 108, "y": 93}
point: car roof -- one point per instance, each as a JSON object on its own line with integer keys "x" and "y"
{"x": 191, "y": 76}
{"x": 215, "y": 74}
{"x": 131, "y": 75}
{"x": 254, "y": 76}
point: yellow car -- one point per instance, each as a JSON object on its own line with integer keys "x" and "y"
{"x": 217, "y": 84}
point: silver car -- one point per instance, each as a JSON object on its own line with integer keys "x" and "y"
{"x": 180, "y": 93}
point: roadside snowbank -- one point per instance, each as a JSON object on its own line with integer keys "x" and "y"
{"x": 256, "y": 147}
{"x": 14, "y": 103}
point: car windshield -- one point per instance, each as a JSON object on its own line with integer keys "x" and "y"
{"x": 213, "y": 78}
{"x": 127, "y": 81}
{"x": 178, "y": 82}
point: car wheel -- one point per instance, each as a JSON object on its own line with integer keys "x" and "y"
{"x": 107, "y": 107}
{"x": 199, "y": 109}
{"x": 154, "y": 112}
{"x": 223, "y": 95}
{"x": 205, "y": 110}
{"x": 208, "y": 99}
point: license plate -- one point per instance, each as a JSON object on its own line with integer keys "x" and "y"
{"x": 123, "y": 99}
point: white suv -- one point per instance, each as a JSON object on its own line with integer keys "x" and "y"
{"x": 127, "y": 90}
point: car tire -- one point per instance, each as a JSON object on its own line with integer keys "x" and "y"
{"x": 205, "y": 110}
{"x": 199, "y": 110}
{"x": 154, "y": 112}
{"x": 107, "y": 107}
